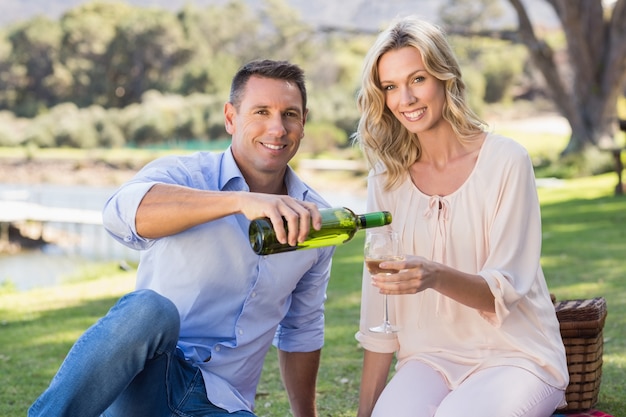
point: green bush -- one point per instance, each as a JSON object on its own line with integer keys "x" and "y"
{"x": 321, "y": 137}
{"x": 590, "y": 162}
{"x": 72, "y": 127}
{"x": 38, "y": 133}
{"x": 500, "y": 62}
{"x": 109, "y": 133}
{"x": 475, "y": 83}
{"x": 9, "y": 129}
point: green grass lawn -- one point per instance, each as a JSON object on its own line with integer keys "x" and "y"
{"x": 583, "y": 256}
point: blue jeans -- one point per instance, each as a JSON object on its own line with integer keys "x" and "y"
{"x": 127, "y": 365}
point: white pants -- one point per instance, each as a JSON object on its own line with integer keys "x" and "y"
{"x": 417, "y": 390}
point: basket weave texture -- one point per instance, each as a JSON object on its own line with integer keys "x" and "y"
{"x": 581, "y": 323}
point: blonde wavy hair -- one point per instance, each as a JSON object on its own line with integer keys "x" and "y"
{"x": 379, "y": 134}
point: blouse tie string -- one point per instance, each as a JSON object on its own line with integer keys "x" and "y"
{"x": 437, "y": 214}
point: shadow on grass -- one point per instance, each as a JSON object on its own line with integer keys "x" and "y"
{"x": 584, "y": 246}
{"x": 583, "y": 254}
{"x": 585, "y": 240}
{"x": 612, "y": 390}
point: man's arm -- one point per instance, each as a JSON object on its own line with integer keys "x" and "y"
{"x": 374, "y": 376}
{"x": 299, "y": 373}
{"x": 169, "y": 209}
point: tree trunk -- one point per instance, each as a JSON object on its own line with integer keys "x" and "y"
{"x": 585, "y": 91}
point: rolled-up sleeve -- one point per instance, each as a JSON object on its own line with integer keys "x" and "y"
{"x": 119, "y": 212}
{"x": 302, "y": 329}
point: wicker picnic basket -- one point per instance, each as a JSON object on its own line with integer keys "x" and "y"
{"x": 581, "y": 323}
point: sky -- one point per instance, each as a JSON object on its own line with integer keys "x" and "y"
{"x": 366, "y": 14}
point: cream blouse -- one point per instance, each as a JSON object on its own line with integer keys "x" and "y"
{"x": 490, "y": 226}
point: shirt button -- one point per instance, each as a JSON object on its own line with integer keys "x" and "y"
{"x": 240, "y": 331}
{"x": 253, "y": 294}
{"x": 217, "y": 348}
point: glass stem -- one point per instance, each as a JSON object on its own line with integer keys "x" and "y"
{"x": 386, "y": 309}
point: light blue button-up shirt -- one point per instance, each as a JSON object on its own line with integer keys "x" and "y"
{"x": 232, "y": 302}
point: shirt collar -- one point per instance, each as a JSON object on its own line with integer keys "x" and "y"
{"x": 231, "y": 178}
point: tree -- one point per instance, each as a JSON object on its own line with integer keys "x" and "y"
{"x": 469, "y": 15}
{"x": 35, "y": 70}
{"x": 288, "y": 36}
{"x": 149, "y": 51}
{"x": 587, "y": 91}
{"x": 87, "y": 32}
{"x": 219, "y": 46}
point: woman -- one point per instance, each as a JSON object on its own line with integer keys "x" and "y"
{"x": 478, "y": 332}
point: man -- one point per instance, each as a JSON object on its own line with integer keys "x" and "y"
{"x": 191, "y": 340}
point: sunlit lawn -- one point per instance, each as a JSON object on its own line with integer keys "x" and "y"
{"x": 583, "y": 256}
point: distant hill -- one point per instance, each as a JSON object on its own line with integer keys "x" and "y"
{"x": 362, "y": 14}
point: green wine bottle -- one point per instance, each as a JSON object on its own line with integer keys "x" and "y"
{"x": 339, "y": 225}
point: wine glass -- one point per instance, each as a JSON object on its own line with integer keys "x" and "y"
{"x": 382, "y": 245}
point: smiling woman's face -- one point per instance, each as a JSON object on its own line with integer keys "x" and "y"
{"x": 415, "y": 97}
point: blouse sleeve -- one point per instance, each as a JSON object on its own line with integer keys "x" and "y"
{"x": 514, "y": 235}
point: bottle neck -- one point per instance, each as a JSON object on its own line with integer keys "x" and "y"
{"x": 375, "y": 219}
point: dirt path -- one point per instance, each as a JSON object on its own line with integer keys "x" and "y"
{"x": 61, "y": 172}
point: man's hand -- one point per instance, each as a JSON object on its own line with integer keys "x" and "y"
{"x": 299, "y": 215}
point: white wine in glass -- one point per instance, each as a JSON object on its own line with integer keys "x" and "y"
{"x": 380, "y": 246}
